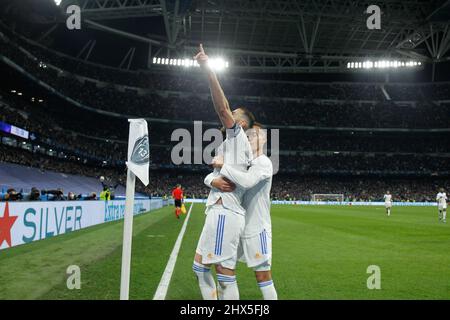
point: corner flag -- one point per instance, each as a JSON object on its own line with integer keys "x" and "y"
{"x": 138, "y": 149}
{"x": 138, "y": 165}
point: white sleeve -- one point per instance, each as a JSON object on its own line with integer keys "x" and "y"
{"x": 249, "y": 178}
{"x": 208, "y": 179}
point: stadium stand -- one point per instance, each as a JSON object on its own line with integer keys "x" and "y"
{"x": 17, "y": 177}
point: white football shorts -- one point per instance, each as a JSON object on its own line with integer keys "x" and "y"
{"x": 219, "y": 240}
{"x": 388, "y": 204}
{"x": 442, "y": 206}
{"x": 256, "y": 251}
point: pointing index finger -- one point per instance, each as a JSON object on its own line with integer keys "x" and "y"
{"x": 201, "y": 49}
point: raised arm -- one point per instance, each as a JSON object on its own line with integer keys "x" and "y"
{"x": 219, "y": 100}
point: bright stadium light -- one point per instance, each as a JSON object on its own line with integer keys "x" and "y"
{"x": 383, "y": 64}
{"x": 217, "y": 64}
{"x": 58, "y": 2}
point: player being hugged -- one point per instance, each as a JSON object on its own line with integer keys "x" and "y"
{"x": 441, "y": 199}
{"x": 225, "y": 221}
{"x": 256, "y": 241}
{"x": 388, "y": 202}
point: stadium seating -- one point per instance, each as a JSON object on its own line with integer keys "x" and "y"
{"x": 24, "y": 178}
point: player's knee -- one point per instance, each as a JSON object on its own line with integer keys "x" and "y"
{"x": 198, "y": 259}
{"x": 198, "y": 267}
{"x": 224, "y": 271}
{"x": 262, "y": 276}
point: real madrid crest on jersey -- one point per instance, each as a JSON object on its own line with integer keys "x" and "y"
{"x": 141, "y": 154}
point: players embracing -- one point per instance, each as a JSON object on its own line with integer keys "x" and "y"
{"x": 227, "y": 223}
{"x": 256, "y": 241}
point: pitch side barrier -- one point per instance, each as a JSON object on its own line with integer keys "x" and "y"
{"x": 337, "y": 203}
{"x": 25, "y": 222}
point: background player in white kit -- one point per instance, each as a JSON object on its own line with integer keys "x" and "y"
{"x": 256, "y": 240}
{"x": 225, "y": 221}
{"x": 441, "y": 199}
{"x": 388, "y": 202}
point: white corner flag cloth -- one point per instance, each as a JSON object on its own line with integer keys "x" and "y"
{"x": 139, "y": 150}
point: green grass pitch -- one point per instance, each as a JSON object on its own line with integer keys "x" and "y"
{"x": 319, "y": 252}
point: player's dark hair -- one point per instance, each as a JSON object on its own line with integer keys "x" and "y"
{"x": 249, "y": 117}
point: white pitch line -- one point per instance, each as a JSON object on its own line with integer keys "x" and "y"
{"x": 163, "y": 286}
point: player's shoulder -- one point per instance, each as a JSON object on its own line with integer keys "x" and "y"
{"x": 235, "y": 131}
{"x": 265, "y": 162}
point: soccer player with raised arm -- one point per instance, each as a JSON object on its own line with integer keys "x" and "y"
{"x": 441, "y": 199}
{"x": 256, "y": 240}
{"x": 388, "y": 202}
{"x": 225, "y": 221}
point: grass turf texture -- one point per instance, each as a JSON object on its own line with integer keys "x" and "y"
{"x": 320, "y": 252}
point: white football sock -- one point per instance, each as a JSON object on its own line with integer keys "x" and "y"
{"x": 445, "y": 214}
{"x": 206, "y": 281}
{"x": 228, "y": 288}
{"x": 268, "y": 290}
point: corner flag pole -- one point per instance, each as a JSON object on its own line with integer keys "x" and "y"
{"x": 127, "y": 237}
{"x": 137, "y": 166}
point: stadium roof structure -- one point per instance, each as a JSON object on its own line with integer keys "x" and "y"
{"x": 278, "y": 35}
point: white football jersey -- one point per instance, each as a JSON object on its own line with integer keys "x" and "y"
{"x": 258, "y": 182}
{"x": 441, "y": 198}
{"x": 237, "y": 153}
{"x": 387, "y": 198}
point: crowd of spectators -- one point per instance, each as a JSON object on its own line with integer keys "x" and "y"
{"x": 81, "y": 139}
{"x": 271, "y": 112}
{"x": 285, "y": 187}
{"x": 47, "y": 131}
